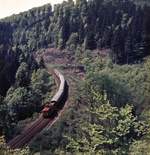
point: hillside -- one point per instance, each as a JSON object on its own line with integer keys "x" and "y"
{"x": 103, "y": 49}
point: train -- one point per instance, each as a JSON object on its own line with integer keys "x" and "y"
{"x": 58, "y": 100}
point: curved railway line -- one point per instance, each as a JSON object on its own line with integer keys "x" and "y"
{"x": 40, "y": 123}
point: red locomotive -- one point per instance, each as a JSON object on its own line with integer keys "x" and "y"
{"x": 48, "y": 111}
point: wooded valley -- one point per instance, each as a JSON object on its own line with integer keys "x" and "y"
{"x": 109, "y": 110}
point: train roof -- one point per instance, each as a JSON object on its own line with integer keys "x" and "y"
{"x": 61, "y": 86}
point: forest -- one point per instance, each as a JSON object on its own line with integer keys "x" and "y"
{"x": 110, "y": 114}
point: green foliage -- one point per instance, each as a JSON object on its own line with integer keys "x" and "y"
{"x": 29, "y": 99}
{"x": 89, "y": 24}
{"x": 4, "y": 150}
{"x": 22, "y": 75}
{"x": 128, "y": 83}
{"x": 81, "y": 27}
{"x": 140, "y": 147}
{"x": 147, "y": 64}
{"x": 106, "y": 117}
{"x": 41, "y": 84}
{"x": 109, "y": 115}
{"x": 85, "y": 24}
{"x": 73, "y": 41}
{"x": 1, "y": 99}
{"x": 20, "y": 103}
{"x": 108, "y": 128}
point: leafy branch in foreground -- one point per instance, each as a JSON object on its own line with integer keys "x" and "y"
{"x": 107, "y": 129}
{"x": 4, "y": 150}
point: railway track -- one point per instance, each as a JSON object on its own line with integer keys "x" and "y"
{"x": 40, "y": 123}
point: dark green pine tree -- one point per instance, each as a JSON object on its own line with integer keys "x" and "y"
{"x": 129, "y": 50}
